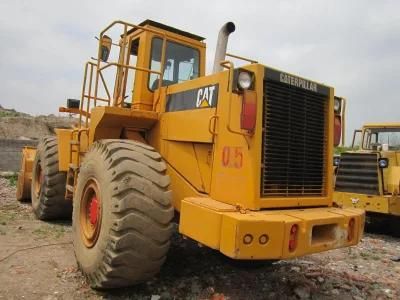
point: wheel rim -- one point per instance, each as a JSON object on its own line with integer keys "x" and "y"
{"x": 39, "y": 178}
{"x": 90, "y": 213}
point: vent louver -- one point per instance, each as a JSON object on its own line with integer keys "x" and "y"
{"x": 294, "y": 141}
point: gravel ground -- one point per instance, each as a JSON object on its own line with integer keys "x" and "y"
{"x": 48, "y": 271}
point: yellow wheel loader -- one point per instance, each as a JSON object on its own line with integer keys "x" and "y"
{"x": 368, "y": 177}
{"x": 242, "y": 157}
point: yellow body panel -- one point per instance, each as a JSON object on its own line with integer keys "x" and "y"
{"x": 387, "y": 204}
{"x": 223, "y": 227}
{"x": 108, "y": 121}
{"x": 188, "y": 126}
{"x": 181, "y": 188}
{"x": 25, "y": 173}
{"x": 392, "y": 181}
{"x": 204, "y": 157}
{"x": 180, "y": 156}
{"x": 69, "y": 145}
{"x": 64, "y": 149}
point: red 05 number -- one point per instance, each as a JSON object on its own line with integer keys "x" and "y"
{"x": 232, "y": 157}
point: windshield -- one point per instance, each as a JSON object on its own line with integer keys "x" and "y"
{"x": 181, "y": 63}
{"x": 374, "y": 138}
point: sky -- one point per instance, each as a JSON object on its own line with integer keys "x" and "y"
{"x": 353, "y": 46}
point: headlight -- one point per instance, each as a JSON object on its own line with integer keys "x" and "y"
{"x": 383, "y": 163}
{"x": 336, "y": 161}
{"x": 244, "y": 80}
{"x": 337, "y": 105}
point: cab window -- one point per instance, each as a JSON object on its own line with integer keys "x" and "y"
{"x": 375, "y": 138}
{"x": 181, "y": 63}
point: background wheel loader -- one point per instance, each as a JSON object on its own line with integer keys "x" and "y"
{"x": 368, "y": 177}
{"x": 242, "y": 157}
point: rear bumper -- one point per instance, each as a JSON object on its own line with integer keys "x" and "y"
{"x": 222, "y": 227}
{"x": 371, "y": 203}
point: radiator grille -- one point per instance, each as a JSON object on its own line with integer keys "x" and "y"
{"x": 358, "y": 173}
{"x": 294, "y": 141}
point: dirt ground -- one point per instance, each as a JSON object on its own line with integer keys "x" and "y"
{"x": 37, "y": 262}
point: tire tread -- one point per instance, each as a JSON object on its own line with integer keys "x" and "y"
{"x": 139, "y": 237}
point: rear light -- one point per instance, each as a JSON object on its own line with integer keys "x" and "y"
{"x": 293, "y": 237}
{"x": 249, "y": 111}
{"x": 247, "y": 239}
{"x": 338, "y": 131}
{"x": 351, "y": 229}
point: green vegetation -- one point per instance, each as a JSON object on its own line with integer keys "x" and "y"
{"x": 339, "y": 150}
{"x": 10, "y": 113}
{"x": 365, "y": 255}
{"x": 55, "y": 230}
{"x": 13, "y": 179}
{"x": 7, "y": 216}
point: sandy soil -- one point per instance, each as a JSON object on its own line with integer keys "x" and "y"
{"x": 37, "y": 262}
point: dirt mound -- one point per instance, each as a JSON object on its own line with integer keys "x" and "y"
{"x": 4, "y": 112}
{"x": 17, "y": 125}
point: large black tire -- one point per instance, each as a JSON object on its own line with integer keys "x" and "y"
{"x": 48, "y": 183}
{"x": 128, "y": 239}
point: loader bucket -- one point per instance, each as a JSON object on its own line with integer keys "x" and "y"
{"x": 25, "y": 174}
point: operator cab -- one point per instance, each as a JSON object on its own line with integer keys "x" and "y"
{"x": 183, "y": 55}
{"x": 378, "y": 137}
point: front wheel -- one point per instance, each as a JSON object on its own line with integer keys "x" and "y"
{"x": 122, "y": 214}
{"x": 48, "y": 183}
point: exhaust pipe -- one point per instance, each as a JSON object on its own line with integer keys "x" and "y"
{"x": 222, "y": 43}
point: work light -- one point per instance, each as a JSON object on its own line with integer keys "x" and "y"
{"x": 383, "y": 163}
{"x": 336, "y": 105}
{"x": 244, "y": 80}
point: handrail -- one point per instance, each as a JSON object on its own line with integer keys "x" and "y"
{"x": 122, "y": 54}
{"x": 105, "y": 86}
{"x": 73, "y": 111}
{"x": 242, "y": 58}
{"x": 210, "y": 129}
{"x": 229, "y": 65}
{"x": 98, "y": 98}
{"x": 128, "y": 66}
{"x": 343, "y": 119}
{"x": 79, "y": 132}
{"x": 131, "y": 25}
{"x": 94, "y": 71}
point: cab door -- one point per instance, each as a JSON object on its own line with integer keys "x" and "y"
{"x": 188, "y": 106}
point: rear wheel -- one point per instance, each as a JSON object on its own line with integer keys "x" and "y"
{"x": 122, "y": 214}
{"x": 48, "y": 183}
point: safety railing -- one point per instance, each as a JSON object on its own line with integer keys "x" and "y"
{"x": 93, "y": 73}
{"x": 242, "y": 58}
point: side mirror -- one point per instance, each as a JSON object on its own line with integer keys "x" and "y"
{"x": 105, "y": 47}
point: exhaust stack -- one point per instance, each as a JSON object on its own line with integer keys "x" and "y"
{"x": 222, "y": 43}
